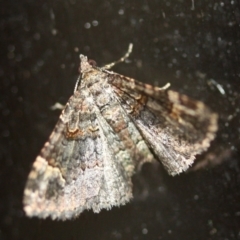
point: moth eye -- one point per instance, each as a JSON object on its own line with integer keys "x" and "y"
{"x": 92, "y": 62}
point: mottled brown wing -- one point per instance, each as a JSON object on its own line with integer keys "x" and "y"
{"x": 175, "y": 127}
{"x": 77, "y": 168}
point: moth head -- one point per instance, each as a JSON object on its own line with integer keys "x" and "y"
{"x": 85, "y": 64}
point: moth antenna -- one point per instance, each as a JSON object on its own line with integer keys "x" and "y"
{"x": 122, "y": 59}
{"x": 77, "y": 83}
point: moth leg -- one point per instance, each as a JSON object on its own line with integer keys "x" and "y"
{"x": 122, "y": 59}
{"x": 57, "y": 106}
{"x": 165, "y": 87}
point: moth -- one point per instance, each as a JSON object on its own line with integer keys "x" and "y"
{"x": 110, "y": 126}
